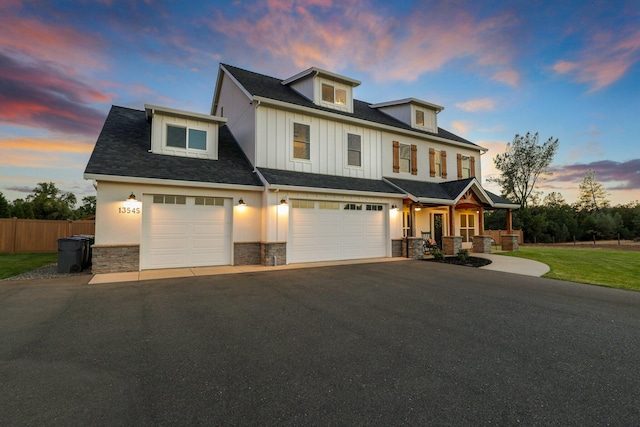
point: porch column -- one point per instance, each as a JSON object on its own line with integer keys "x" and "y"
{"x": 481, "y": 221}
{"x": 451, "y": 229}
{"x": 509, "y": 222}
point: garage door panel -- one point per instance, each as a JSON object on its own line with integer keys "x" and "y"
{"x": 334, "y": 234}
{"x": 185, "y": 235}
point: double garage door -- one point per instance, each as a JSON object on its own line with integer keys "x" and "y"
{"x": 179, "y": 231}
{"x": 326, "y": 231}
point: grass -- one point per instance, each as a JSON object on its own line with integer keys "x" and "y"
{"x": 12, "y": 265}
{"x": 602, "y": 267}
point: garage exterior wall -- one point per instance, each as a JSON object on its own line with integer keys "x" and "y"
{"x": 119, "y": 222}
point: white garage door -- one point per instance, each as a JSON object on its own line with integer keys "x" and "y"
{"x": 328, "y": 231}
{"x": 179, "y": 231}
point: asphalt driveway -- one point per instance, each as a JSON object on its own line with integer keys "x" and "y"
{"x": 397, "y": 343}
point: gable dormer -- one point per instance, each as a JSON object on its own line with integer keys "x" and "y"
{"x": 183, "y": 133}
{"x": 324, "y": 88}
{"x": 418, "y": 114}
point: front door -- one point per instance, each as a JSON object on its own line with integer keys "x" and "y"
{"x": 437, "y": 229}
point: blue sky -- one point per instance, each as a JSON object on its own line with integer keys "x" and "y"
{"x": 568, "y": 70}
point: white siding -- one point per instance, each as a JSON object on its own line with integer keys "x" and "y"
{"x": 304, "y": 87}
{"x": 159, "y": 136}
{"x": 328, "y": 145}
{"x": 401, "y": 112}
{"x": 234, "y": 105}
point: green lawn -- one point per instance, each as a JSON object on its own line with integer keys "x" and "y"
{"x": 12, "y": 265}
{"x": 603, "y": 267}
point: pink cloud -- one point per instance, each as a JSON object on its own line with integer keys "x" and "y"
{"x": 475, "y": 105}
{"x": 335, "y": 35}
{"x": 605, "y": 59}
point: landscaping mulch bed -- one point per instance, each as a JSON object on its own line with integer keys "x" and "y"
{"x": 471, "y": 261}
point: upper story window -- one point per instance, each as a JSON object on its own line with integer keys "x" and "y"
{"x": 437, "y": 163}
{"x": 405, "y": 158}
{"x": 419, "y": 118}
{"x": 466, "y": 167}
{"x": 301, "y": 141}
{"x": 354, "y": 150}
{"x": 182, "y": 137}
{"x": 333, "y": 94}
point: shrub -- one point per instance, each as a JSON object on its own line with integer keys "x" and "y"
{"x": 463, "y": 254}
{"x": 438, "y": 254}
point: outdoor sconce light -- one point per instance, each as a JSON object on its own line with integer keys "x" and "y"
{"x": 394, "y": 207}
{"x": 132, "y": 197}
{"x": 241, "y": 202}
{"x": 283, "y": 201}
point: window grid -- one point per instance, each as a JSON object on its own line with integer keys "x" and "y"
{"x": 303, "y": 204}
{"x": 209, "y": 201}
{"x": 169, "y": 200}
{"x": 354, "y": 150}
{"x": 405, "y": 158}
{"x": 352, "y": 207}
{"x": 301, "y": 141}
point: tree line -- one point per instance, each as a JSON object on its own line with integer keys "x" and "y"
{"x": 551, "y": 219}
{"x": 48, "y": 202}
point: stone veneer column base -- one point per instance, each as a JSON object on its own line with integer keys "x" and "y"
{"x": 397, "y": 247}
{"x": 115, "y": 258}
{"x": 451, "y": 245}
{"x": 247, "y": 253}
{"x": 482, "y": 244}
{"x": 273, "y": 254}
{"x": 509, "y": 242}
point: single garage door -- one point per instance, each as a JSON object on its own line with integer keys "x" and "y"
{"x": 328, "y": 231}
{"x": 179, "y": 231}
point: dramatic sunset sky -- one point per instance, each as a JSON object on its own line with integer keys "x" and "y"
{"x": 567, "y": 69}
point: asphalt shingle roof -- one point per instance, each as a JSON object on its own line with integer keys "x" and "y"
{"x": 314, "y": 180}
{"x": 270, "y": 87}
{"x": 122, "y": 149}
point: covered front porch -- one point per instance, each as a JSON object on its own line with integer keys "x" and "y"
{"x": 452, "y": 214}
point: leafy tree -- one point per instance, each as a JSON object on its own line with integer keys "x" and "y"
{"x": 554, "y": 200}
{"x": 593, "y": 196}
{"x": 88, "y": 207}
{"x": 5, "y": 208}
{"x": 50, "y": 203}
{"x": 522, "y": 165}
{"x": 22, "y": 209}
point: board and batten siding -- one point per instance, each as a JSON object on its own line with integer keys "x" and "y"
{"x": 237, "y": 108}
{"x": 328, "y": 150}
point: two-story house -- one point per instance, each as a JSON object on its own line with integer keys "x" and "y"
{"x": 280, "y": 171}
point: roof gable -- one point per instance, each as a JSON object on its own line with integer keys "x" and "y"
{"x": 122, "y": 150}
{"x": 259, "y": 85}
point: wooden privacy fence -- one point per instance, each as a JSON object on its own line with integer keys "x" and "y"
{"x": 38, "y": 235}
{"x": 497, "y": 235}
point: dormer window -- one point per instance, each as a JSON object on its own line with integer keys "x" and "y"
{"x": 181, "y": 137}
{"x": 419, "y": 118}
{"x": 183, "y": 133}
{"x": 334, "y": 95}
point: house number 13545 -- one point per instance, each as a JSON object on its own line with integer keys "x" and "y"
{"x": 129, "y": 210}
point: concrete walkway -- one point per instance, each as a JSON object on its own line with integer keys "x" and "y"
{"x": 509, "y": 264}
{"x": 498, "y": 263}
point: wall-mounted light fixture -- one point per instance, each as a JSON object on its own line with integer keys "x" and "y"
{"x": 283, "y": 201}
{"x": 131, "y": 198}
{"x": 241, "y": 202}
{"x": 394, "y": 207}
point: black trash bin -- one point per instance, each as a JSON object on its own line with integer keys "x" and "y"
{"x": 71, "y": 253}
{"x": 89, "y": 241}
